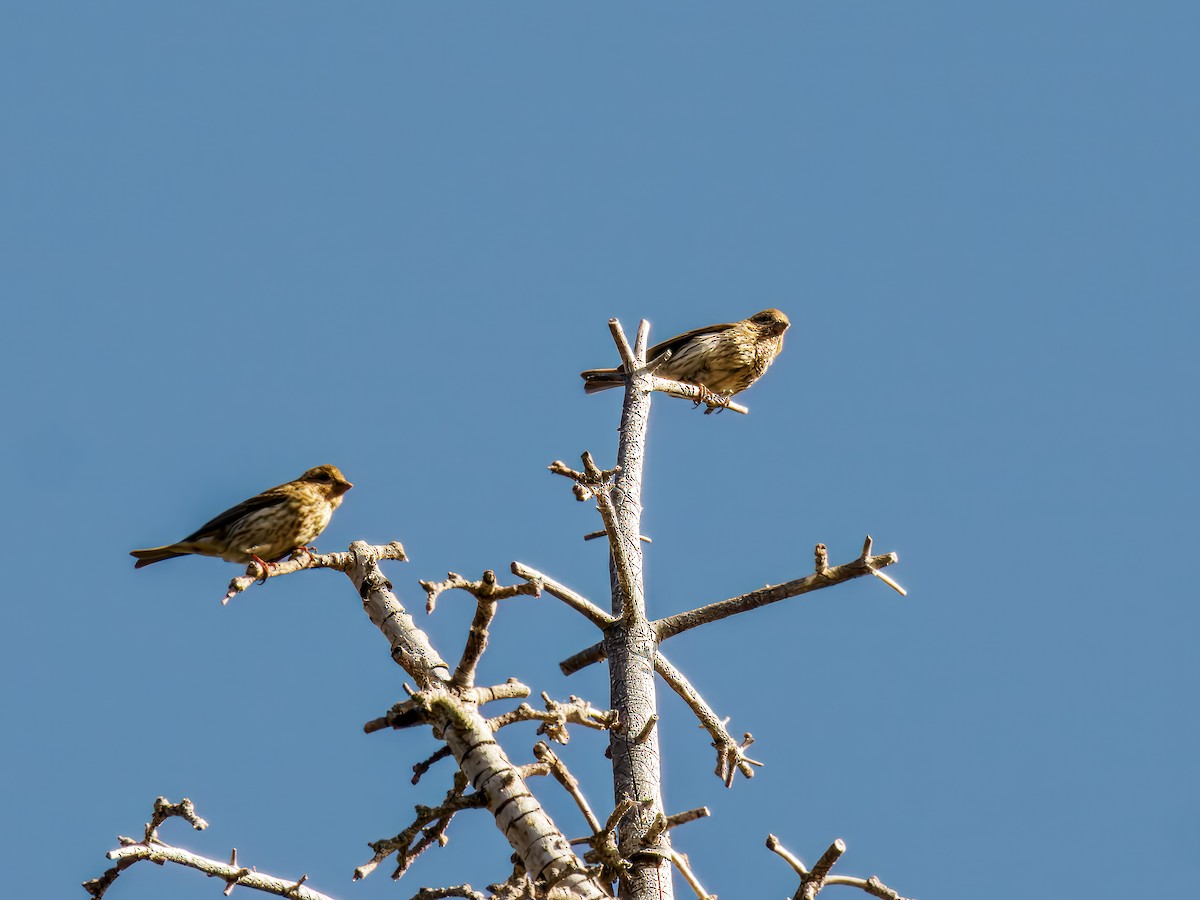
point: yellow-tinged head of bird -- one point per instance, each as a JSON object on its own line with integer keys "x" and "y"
{"x": 771, "y": 321}
{"x": 328, "y": 477}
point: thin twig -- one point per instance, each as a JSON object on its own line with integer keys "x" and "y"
{"x": 153, "y": 849}
{"x": 584, "y": 658}
{"x": 629, "y": 361}
{"x": 510, "y": 690}
{"x": 642, "y": 342}
{"x": 484, "y": 589}
{"x": 304, "y": 559}
{"x": 693, "y": 392}
{"x": 670, "y": 626}
{"x": 685, "y": 621}
{"x": 593, "y": 535}
{"x": 596, "y": 483}
{"x": 731, "y": 756}
{"x": 557, "y": 716}
{"x": 577, "y": 602}
{"x": 626, "y": 558}
{"x": 646, "y": 729}
{"x": 688, "y": 815}
{"x": 414, "y": 711}
{"x": 425, "y": 765}
{"x": 604, "y": 842}
{"x": 561, "y": 774}
{"x": 430, "y": 822}
{"x": 486, "y": 593}
{"x": 681, "y": 863}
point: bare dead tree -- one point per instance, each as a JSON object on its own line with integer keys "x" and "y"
{"x": 632, "y": 847}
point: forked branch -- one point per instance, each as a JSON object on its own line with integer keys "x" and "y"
{"x": 557, "y": 716}
{"x": 486, "y": 593}
{"x": 812, "y": 881}
{"x": 731, "y": 755}
{"x": 634, "y": 360}
{"x": 594, "y": 482}
{"x": 430, "y": 825}
{"x": 569, "y": 782}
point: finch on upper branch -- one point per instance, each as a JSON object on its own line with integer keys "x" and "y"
{"x": 726, "y": 359}
{"x": 266, "y": 527}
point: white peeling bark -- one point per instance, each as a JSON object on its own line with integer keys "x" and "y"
{"x": 542, "y": 848}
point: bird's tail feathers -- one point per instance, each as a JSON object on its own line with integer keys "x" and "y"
{"x": 601, "y": 379}
{"x": 155, "y": 554}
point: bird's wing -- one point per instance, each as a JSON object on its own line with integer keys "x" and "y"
{"x": 265, "y": 500}
{"x": 675, "y": 343}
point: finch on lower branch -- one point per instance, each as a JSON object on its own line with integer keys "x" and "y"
{"x": 266, "y": 527}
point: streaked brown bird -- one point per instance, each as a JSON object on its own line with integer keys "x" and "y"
{"x": 725, "y": 359}
{"x": 267, "y": 527}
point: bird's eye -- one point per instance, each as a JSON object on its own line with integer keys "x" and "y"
{"x": 324, "y": 478}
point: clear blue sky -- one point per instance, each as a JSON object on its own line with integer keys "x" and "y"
{"x": 239, "y": 240}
